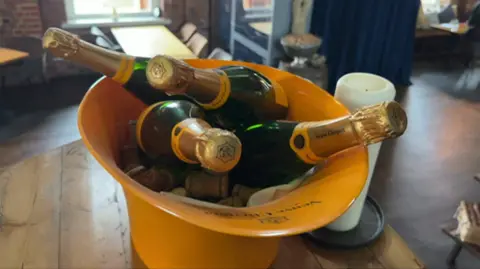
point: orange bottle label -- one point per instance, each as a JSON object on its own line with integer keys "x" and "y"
{"x": 223, "y": 94}
{"x": 280, "y": 95}
{"x": 125, "y": 71}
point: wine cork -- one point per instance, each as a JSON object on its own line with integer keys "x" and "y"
{"x": 202, "y": 185}
{"x": 243, "y": 192}
{"x": 129, "y": 157}
{"x": 233, "y": 201}
{"x": 179, "y": 191}
{"x": 154, "y": 178}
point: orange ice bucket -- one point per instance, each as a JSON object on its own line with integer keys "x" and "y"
{"x": 168, "y": 233}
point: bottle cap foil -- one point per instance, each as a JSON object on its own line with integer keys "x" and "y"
{"x": 379, "y": 122}
{"x": 218, "y": 150}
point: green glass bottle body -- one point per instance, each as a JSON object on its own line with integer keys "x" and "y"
{"x": 234, "y": 96}
{"x": 267, "y": 158}
{"x": 277, "y": 152}
{"x": 175, "y": 129}
{"x": 154, "y": 130}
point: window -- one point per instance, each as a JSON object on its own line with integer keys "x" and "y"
{"x": 254, "y": 4}
{"x": 96, "y": 9}
{"x": 430, "y": 6}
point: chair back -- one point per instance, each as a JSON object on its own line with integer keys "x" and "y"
{"x": 197, "y": 44}
{"x": 447, "y": 15}
{"x": 220, "y": 54}
{"x": 102, "y": 42}
{"x": 186, "y": 31}
{"x": 97, "y": 32}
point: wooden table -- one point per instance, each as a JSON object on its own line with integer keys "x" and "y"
{"x": 7, "y": 56}
{"x": 454, "y": 28}
{"x": 11, "y": 55}
{"x": 148, "y": 41}
{"x": 63, "y": 210}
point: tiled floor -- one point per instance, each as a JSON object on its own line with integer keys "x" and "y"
{"x": 419, "y": 180}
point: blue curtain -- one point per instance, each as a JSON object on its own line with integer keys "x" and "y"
{"x": 374, "y": 36}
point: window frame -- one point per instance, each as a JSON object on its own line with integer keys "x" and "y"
{"x": 72, "y": 16}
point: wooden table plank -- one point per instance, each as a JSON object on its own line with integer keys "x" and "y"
{"x": 43, "y": 237}
{"x": 393, "y": 253}
{"x": 293, "y": 253}
{"x": 63, "y": 210}
{"x": 124, "y": 223}
{"x": 29, "y": 203}
{"x": 10, "y": 55}
{"x": 148, "y": 41}
{"x": 90, "y": 222}
{"x": 454, "y": 28}
{"x": 344, "y": 259}
{"x": 389, "y": 252}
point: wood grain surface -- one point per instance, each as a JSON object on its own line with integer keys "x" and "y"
{"x": 149, "y": 41}
{"x": 10, "y": 55}
{"x": 63, "y": 210}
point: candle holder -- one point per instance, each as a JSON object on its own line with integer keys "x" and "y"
{"x": 300, "y": 47}
{"x": 355, "y": 227}
{"x": 368, "y": 230}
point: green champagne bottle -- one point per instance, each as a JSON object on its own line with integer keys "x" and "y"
{"x": 127, "y": 70}
{"x": 172, "y": 130}
{"x": 234, "y": 96}
{"x": 276, "y": 152}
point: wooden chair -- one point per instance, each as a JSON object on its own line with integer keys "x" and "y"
{"x": 186, "y": 32}
{"x": 470, "y": 78}
{"x": 103, "y": 40}
{"x": 220, "y": 54}
{"x": 197, "y": 44}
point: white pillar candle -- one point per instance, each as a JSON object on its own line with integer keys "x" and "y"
{"x": 356, "y": 90}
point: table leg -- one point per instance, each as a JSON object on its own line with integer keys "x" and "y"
{"x": 452, "y": 256}
{"x": 5, "y": 115}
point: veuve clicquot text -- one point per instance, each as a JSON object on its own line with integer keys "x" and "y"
{"x": 235, "y": 96}
{"x": 127, "y": 70}
{"x": 172, "y": 130}
{"x": 276, "y": 152}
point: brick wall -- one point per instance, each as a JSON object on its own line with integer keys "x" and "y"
{"x": 53, "y": 13}
{"x": 23, "y": 18}
{"x": 175, "y": 10}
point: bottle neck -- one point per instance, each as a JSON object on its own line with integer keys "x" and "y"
{"x": 113, "y": 64}
{"x": 185, "y": 138}
{"x": 195, "y": 141}
{"x": 209, "y": 87}
{"x": 314, "y": 141}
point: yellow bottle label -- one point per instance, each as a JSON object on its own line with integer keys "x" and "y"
{"x": 314, "y": 141}
{"x": 280, "y": 95}
{"x": 141, "y": 121}
{"x": 223, "y": 94}
{"x": 177, "y": 132}
{"x": 125, "y": 71}
{"x": 303, "y": 148}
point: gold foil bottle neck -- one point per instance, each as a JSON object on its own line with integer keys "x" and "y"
{"x": 379, "y": 122}
{"x": 69, "y": 46}
{"x": 61, "y": 43}
{"x": 218, "y": 150}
